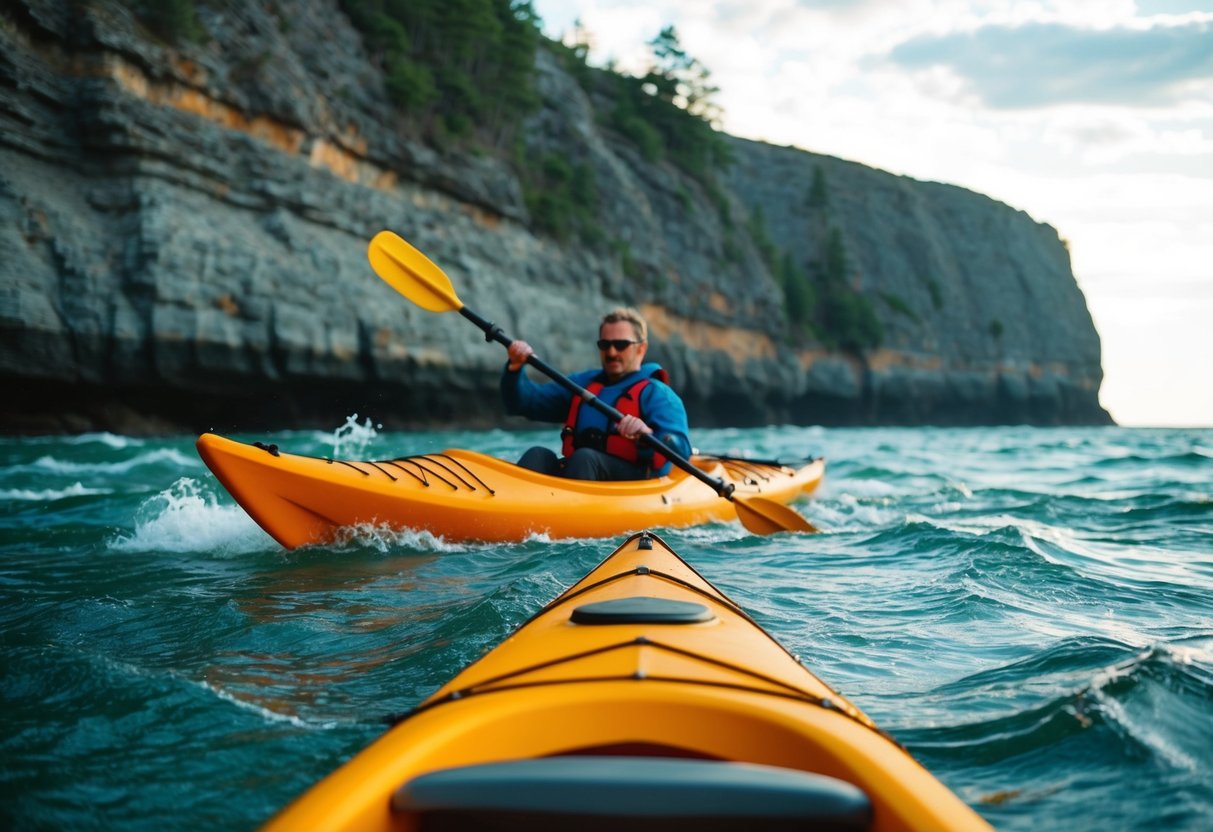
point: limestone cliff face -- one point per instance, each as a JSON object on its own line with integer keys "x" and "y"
{"x": 183, "y": 233}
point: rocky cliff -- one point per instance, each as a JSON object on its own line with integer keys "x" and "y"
{"x": 183, "y": 231}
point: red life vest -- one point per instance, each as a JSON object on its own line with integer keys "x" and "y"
{"x": 628, "y": 404}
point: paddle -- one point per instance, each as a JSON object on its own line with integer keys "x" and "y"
{"x": 413, "y": 275}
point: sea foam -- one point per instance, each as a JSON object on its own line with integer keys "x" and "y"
{"x": 187, "y": 518}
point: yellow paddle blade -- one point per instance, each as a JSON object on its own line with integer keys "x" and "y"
{"x": 412, "y": 274}
{"x": 763, "y": 516}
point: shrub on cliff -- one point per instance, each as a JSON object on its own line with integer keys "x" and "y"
{"x": 562, "y": 199}
{"x": 173, "y": 20}
{"x": 457, "y": 67}
{"x": 846, "y": 317}
{"x": 668, "y": 112}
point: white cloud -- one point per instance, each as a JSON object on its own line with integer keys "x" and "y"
{"x": 1036, "y": 64}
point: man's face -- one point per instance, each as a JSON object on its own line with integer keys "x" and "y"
{"x": 617, "y": 363}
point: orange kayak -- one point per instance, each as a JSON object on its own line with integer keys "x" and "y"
{"x": 642, "y": 698}
{"x": 464, "y": 495}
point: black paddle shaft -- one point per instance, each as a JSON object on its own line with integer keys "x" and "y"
{"x": 492, "y": 332}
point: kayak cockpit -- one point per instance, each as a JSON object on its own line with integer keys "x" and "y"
{"x": 648, "y": 794}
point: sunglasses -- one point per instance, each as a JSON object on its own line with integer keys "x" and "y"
{"x": 620, "y": 344}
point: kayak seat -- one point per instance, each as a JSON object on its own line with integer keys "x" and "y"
{"x": 637, "y": 794}
{"x": 641, "y": 609}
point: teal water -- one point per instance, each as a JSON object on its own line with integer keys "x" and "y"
{"x": 1029, "y": 611}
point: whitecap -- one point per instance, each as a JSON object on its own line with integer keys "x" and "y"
{"x": 187, "y": 518}
{"x": 263, "y": 712}
{"x": 54, "y": 465}
{"x": 846, "y": 513}
{"x": 385, "y": 538}
{"x": 537, "y": 537}
{"x": 111, "y": 440}
{"x": 51, "y": 494}
{"x": 1144, "y": 728}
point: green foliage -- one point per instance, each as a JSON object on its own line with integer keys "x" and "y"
{"x": 722, "y": 205}
{"x": 410, "y": 85}
{"x": 800, "y": 300}
{"x": 627, "y": 262}
{"x": 851, "y": 322}
{"x": 936, "y": 292}
{"x": 819, "y": 192}
{"x": 459, "y": 68}
{"x": 563, "y": 199}
{"x": 836, "y": 266}
{"x": 996, "y": 328}
{"x": 729, "y": 248}
{"x": 898, "y": 305}
{"x": 173, "y": 20}
{"x": 686, "y": 200}
{"x": 668, "y": 113}
{"x": 464, "y": 70}
{"x": 682, "y": 79}
{"x": 645, "y": 136}
{"x": 762, "y": 240}
{"x": 575, "y": 57}
{"x": 845, "y": 317}
{"x": 828, "y": 307}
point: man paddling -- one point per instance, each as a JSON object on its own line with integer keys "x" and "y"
{"x": 593, "y": 449}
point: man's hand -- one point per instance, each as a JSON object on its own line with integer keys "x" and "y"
{"x": 519, "y": 352}
{"x": 630, "y": 427}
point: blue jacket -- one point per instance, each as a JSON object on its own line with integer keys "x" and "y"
{"x": 660, "y": 407}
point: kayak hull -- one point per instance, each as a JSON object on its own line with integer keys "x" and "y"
{"x": 600, "y": 675}
{"x": 464, "y": 495}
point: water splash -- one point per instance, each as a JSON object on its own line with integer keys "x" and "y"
{"x": 351, "y": 440}
{"x": 187, "y": 518}
{"x": 385, "y": 539}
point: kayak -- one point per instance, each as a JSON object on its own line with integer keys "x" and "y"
{"x": 642, "y": 698}
{"x": 464, "y": 495}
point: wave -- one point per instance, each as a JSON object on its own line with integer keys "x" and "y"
{"x": 1193, "y": 457}
{"x": 265, "y": 713}
{"x": 77, "y": 489}
{"x": 848, "y": 513}
{"x": 110, "y": 440}
{"x": 54, "y": 465}
{"x": 187, "y": 518}
{"x": 1141, "y": 702}
{"x": 383, "y": 538}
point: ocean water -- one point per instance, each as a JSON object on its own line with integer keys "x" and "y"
{"x": 1029, "y": 611}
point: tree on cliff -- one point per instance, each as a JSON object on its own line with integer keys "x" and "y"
{"x": 174, "y": 20}
{"x": 458, "y": 68}
{"x": 668, "y": 112}
{"x": 846, "y": 316}
{"x": 680, "y": 79}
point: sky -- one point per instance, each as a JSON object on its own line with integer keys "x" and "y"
{"x": 1094, "y": 116}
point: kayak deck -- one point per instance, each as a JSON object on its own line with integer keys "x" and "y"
{"x": 464, "y": 495}
{"x": 631, "y": 699}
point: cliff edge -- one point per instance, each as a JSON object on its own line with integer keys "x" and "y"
{"x": 183, "y": 231}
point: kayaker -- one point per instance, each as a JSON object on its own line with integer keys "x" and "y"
{"x": 591, "y": 449}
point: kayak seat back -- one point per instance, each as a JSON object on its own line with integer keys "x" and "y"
{"x": 641, "y": 609}
{"x": 639, "y": 794}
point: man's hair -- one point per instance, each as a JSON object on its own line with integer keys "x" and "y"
{"x": 627, "y": 313}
